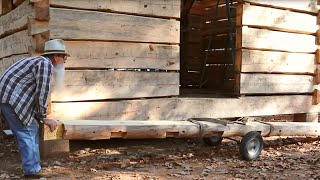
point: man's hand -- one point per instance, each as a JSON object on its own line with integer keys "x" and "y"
{"x": 51, "y": 123}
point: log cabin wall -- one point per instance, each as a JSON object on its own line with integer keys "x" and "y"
{"x": 275, "y": 43}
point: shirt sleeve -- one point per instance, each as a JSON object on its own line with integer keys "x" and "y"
{"x": 43, "y": 77}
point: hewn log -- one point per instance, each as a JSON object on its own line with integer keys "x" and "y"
{"x": 16, "y": 20}
{"x": 15, "y": 44}
{"x": 274, "y": 40}
{"x": 94, "y": 85}
{"x": 90, "y": 25}
{"x": 122, "y": 55}
{"x": 271, "y": 62}
{"x": 275, "y": 83}
{"x": 184, "y": 108}
{"x": 278, "y": 19}
{"x": 158, "y": 8}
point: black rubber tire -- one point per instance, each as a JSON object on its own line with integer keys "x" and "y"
{"x": 251, "y": 146}
{"x": 213, "y": 140}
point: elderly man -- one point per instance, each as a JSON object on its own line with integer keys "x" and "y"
{"x": 24, "y": 92}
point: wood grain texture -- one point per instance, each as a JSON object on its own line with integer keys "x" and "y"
{"x": 94, "y": 85}
{"x": 162, "y": 8}
{"x": 89, "y": 25}
{"x": 16, "y": 20}
{"x": 5, "y": 63}
{"x": 17, "y": 43}
{"x": 271, "y": 62}
{"x": 122, "y": 55}
{"x": 279, "y": 19}
{"x": 274, "y": 40}
{"x": 184, "y": 108}
{"x": 275, "y": 83}
{"x": 298, "y": 5}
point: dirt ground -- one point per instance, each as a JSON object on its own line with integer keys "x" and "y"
{"x": 157, "y": 159}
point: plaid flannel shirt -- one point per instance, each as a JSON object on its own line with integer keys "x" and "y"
{"x": 25, "y": 86}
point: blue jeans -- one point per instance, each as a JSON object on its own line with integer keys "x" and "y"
{"x": 27, "y": 139}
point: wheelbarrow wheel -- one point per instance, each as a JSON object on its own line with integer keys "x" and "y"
{"x": 213, "y": 140}
{"x": 251, "y": 145}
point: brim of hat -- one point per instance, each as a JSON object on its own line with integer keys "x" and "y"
{"x": 46, "y": 53}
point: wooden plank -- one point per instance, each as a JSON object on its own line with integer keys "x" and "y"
{"x": 89, "y": 25}
{"x": 184, "y": 108}
{"x": 274, "y": 40}
{"x": 94, "y": 85}
{"x": 194, "y": 50}
{"x": 220, "y": 27}
{"x": 15, "y": 44}
{"x": 217, "y": 42}
{"x": 122, "y": 55}
{"x": 194, "y": 21}
{"x": 193, "y": 36}
{"x": 159, "y": 8}
{"x": 278, "y": 19}
{"x": 272, "y": 62}
{"x": 298, "y": 5}
{"x": 16, "y": 20}
{"x": 306, "y": 117}
{"x": 5, "y": 63}
{"x": 275, "y": 83}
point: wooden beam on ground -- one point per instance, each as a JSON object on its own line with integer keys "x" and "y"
{"x": 264, "y": 39}
{"x": 17, "y": 20}
{"x": 157, "y": 8}
{"x": 15, "y": 44}
{"x": 300, "y": 5}
{"x": 122, "y": 55}
{"x": 277, "y": 19}
{"x": 94, "y": 130}
{"x": 100, "y": 84}
{"x": 276, "y": 62}
{"x": 89, "y": 25}
{"x": 185, "y": 108}
{"x": 275, "y": 83}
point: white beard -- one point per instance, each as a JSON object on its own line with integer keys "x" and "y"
{"x": 58, "y": 78}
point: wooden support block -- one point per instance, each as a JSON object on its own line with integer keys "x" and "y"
{"x": 306, "y": 117}
{"x": 318, "y": 37}
{"x": 315, "y": 97}
{"x": 316, "y": 79}
{"x": 54, "y": 148}
{"x": 39, "y": 41}
{"x": 317, "y": 57}
{"x": 42, "y": 9}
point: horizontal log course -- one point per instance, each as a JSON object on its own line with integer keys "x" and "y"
{"x": 278, "y": 19}
{"x": 126, "y": 129}
{"x": 184, "y": 108}
{"x": 122, "y": 55}
{"x": 5, "y": 63}
{"x": 15, "y": 44}
{"x": 90, "y": 25}
{"x": 277, "y": 62}
{"x": 158, "y": 8}
{"x": 301, "y": 5}
{"x": 16, "y": 20}
{"x": 99, "y": 84}
{"x": 273, "y": 40}
{"x": 275, "y": 83}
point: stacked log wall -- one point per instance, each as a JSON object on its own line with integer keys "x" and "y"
{"x": 276, "y": 47}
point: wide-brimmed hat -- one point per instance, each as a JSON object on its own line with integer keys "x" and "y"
{"x": 55, "y": 46}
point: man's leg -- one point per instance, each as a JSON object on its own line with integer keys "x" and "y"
{"x": 27, "y": 139}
